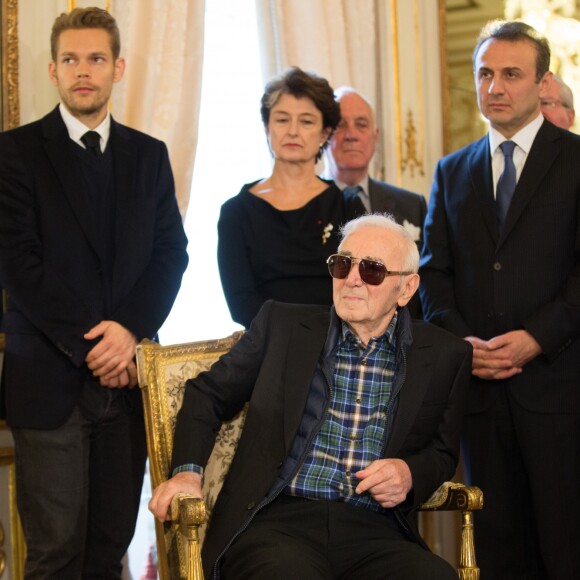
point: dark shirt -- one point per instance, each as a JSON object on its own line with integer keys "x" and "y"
{"x": 268, "y": 253}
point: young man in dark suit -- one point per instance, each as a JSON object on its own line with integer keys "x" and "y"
{"x": 92, "y": 251}
{"x": 501, "y": 268}
{"x": 354, "y": 420}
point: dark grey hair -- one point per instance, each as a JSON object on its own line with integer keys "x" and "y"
{"x": 515, "y": 31}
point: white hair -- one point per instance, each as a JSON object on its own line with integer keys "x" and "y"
{"x": 566, "y": 94}
{"x": 385, "y": 221}
{"x": 346, "y": 90}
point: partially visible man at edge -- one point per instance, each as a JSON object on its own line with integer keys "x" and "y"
{"x": 354, "y": 419}
{"x": 557, "y": 104}
{"x": 92, "y": 251}
{"x": 352, "y": 146}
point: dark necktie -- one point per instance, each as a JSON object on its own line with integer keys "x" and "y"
{"x": 92, "y": 141}
{"x": 506, "y": 184}
{"x": 351, "y": 192}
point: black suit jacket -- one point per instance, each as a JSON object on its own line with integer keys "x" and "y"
{"x": 51, "y": 267}
{"x": 478, "y": 281}
{"x": 405, "y": 206}
{"x": 272, "y": 367}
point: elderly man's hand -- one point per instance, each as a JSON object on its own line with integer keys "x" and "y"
{"x": 184, "y": 482}
{"x": 387, "y": 480}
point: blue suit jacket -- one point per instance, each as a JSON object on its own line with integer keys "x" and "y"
{"x": 51, "y": 267}
{"x": 478, "y": 281}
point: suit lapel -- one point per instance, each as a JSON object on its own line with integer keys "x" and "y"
{"x": 306, "y": 341}
{"x": 544, "y": 151}
{"x": 58, "y": 148}
{"x": 381, "y": 198}
{"x": 479, "y": 164}
{"x": 376, "y": 200}
{"x": 419, "y": 368}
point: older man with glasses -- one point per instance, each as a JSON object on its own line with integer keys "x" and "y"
{"x": 354, "y": 420}
{"x": 557, "y": 104}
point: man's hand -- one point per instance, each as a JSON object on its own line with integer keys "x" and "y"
{"x": 518, "y": 345}
{"x": 127, "y": 378}
{"x": 184, "y": 482}
{"x": 111, "y": 360}
{"x": 387, "y": 480}
{"x": 503, "y": 356}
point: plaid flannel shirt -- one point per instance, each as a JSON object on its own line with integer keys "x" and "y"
{"x": 353, "y": 431}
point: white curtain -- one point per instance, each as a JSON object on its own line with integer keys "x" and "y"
{"x": 387, "y": 50}
{"x": 334, "y": 38}
{"x": 162, "y": 41}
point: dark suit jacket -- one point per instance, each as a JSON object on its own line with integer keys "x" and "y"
{"x": 51, "y": 267}
{"x": 405, "y": 206}
{"x": 476, "y": 281}
{"x": 272, "y": 367}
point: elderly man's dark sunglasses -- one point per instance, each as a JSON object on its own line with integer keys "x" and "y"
{"x": 371, "y": 272}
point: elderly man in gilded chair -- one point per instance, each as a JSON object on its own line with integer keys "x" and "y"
{"x": 354, "y": 420}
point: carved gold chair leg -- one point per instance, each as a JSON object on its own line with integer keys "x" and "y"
{"x": 468, "y": 569}
{"x": 457, "y": 496}
{"x": 189, "y": 513}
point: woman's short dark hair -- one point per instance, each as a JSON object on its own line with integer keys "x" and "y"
{"x": 515, "y": 31}
{"x": 299, "y": 83}
{"x": 81, "y": 18}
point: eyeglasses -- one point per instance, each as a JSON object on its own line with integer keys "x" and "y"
{"x": 371, "y": 272}
{"x": 554, "y": 104}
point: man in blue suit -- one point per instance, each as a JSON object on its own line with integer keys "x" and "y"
{"x": 501, "y": 268}
{"x": 92, "y": 251}
{"x": 352, "y": 147}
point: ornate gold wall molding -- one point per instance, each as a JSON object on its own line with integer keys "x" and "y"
{"x": 18, "y": 543}
{"x": 409, "y": 127}
{"x": 413, "y": 158}
{"x": 397, "y": 85}
{"x": 445, "y": 97}
{"x": 72, "y": 4}
{"x": 10, "y": 94}
{"x": 462, "y": 21}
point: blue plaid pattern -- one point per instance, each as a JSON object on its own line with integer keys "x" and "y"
{"x": 191, "y": 467}
{"x": 352, "y": 434}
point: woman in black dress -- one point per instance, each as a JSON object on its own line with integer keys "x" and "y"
{"x": 274, "y": 237}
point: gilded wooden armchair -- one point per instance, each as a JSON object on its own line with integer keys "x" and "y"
{"x": 163, "y": 371}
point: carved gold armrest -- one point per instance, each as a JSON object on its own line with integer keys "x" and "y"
{"x": 188, "y": 512}
{"x": 454, "y": 496}
{"x": 457, "y": 496}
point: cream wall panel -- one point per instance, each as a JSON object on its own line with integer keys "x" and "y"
{"x": 35, "y": 18}
{"x": 411, "y": 103}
